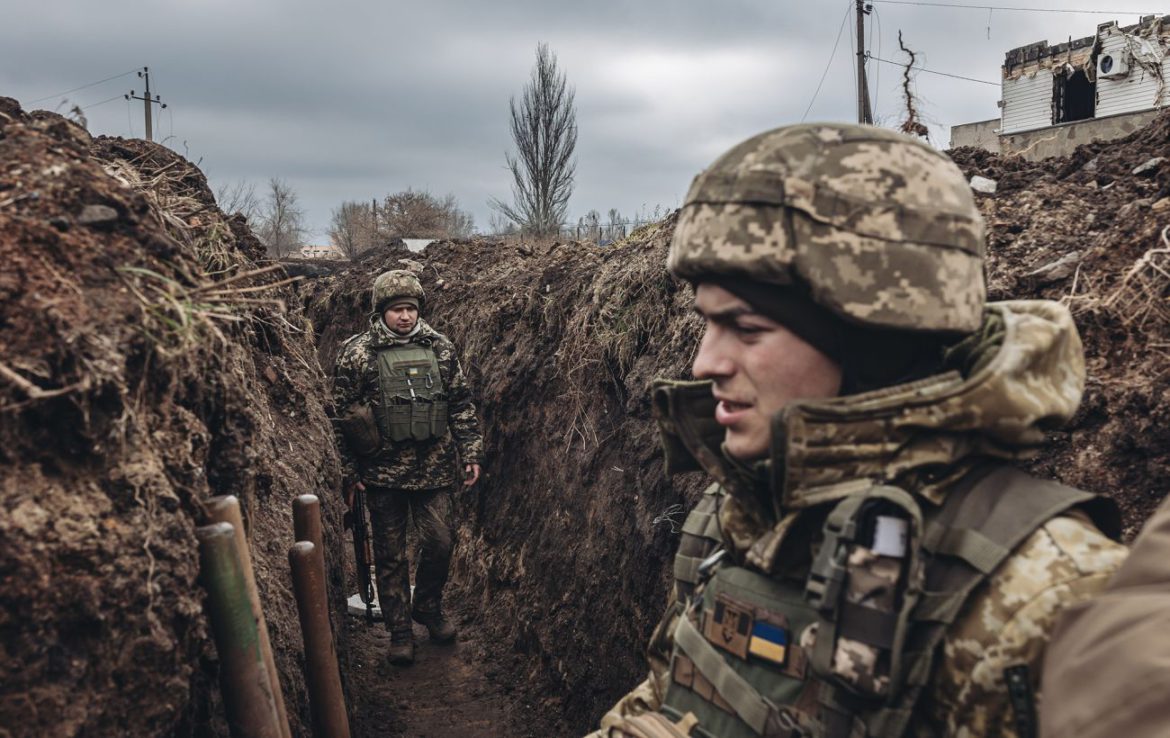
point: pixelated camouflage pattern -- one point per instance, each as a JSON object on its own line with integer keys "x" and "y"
{"x": 395, "y": 283}
{"x": 923, "y": 437}
{"x": 408, "y": 465}
{"x": 1105, "y": 672}
{"x": 1009, "y": 622}
{"x": 390, "y": 512}
{"x": 872, "y": 582}
{"x": 882, "y": 228}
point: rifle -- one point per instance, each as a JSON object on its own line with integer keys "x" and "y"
{"x": 363, "y": 551}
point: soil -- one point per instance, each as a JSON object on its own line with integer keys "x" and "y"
{"x": 447, "y": 693}
{"x": 1089, "y": 230}
{"x": 147, "y": 366}
{"x": 138, "y": 376}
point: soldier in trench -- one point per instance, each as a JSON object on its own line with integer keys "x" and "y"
{"x": 404, "y": 415}
{"x": 868, "y": 561}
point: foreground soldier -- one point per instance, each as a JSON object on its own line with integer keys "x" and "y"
{"x": 404, "y": 410}
{"x": 868, "y": 563}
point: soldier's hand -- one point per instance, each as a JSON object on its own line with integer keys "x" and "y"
{"x": 350, "y": 490}
{"x": 470, "y": 474}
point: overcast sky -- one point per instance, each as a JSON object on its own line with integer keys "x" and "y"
{"x": 349, "y": 100}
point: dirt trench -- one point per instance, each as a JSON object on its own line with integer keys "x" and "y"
{"x": 138, "y": 380}
{"x": 148, "y": 363}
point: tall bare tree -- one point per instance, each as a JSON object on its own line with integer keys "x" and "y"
{"x": 544, "y": 129}
{"x": 282, "y": 221}
{"x": 352, "y": 228}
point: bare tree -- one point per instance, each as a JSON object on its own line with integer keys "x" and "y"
{"x": 282, "y": 221}
{"x": 544, "y": 129}
{"x": 352, "y": 228}
{"x": 238, "y": 197}
{"x": 419, "y": 214}
{"x": 589, "y": 226}
{"x": 498, "y": 225}
{"x": 617, "y": 225}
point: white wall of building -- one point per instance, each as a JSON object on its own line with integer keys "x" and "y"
{"x": 1136, "y": 91}
{"x": 1027, "y": 102}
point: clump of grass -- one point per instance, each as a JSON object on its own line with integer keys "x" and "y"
{"x": 177, "y": 316}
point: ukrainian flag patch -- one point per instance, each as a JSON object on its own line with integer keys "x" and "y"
{"x": 769, "y": 641}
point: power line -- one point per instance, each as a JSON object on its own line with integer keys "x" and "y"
{"x": 103, "y": 102}
{"x": 825, "y": 73}
{"x": 83, "y": 87}
{"x": 922, "y": 3}
{"x": 941, "y": 74}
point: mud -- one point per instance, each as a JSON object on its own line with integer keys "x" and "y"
{"x": 144, "y": 371}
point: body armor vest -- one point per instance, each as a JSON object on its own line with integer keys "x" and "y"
{"x": 847, "y": 652}
{"x": 412, "y": 403}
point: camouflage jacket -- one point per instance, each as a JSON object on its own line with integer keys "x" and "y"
{"x": 410, "y": 464}
{"x": 1015, "y": 379}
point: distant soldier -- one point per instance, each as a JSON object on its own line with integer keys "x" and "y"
{"x": 404, "y": 412}
{"x": 869, "y": 562}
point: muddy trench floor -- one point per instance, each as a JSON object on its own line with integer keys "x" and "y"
{"x": 455, "y": 690}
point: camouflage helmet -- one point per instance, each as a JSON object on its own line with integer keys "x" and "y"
{"x": 397, "y": 283}
{"x": 880, "y": 228}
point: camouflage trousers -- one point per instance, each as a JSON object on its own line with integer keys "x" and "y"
{"x": 390, "y": 512}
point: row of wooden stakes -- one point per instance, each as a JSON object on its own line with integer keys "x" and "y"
{"x": 248, "y": 679}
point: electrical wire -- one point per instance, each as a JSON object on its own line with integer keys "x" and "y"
{"x": 83, "y": 87}
{"x": 931, "y": 71}
{"x": 923, "y": 3}
{"x": 832, "y": 54}
{"x": 103, "y": 102}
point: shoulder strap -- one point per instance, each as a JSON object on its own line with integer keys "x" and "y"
{"x": 700, "y": 536}
{"x": 981, "y": 522}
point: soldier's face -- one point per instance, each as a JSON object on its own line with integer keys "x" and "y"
{"x": 401, "y": 318}
{"x": 758, "y": 366}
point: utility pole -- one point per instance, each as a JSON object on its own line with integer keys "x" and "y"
{"x": 864, "y": 114}
{"x": 147, "y": 101}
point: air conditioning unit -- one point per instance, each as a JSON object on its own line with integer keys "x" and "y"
{"x": 1112, "y": 65}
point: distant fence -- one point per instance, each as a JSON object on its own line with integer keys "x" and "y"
{"x": 601, "y": 234}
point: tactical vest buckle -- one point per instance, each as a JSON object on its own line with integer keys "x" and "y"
{"x": 827, "y": 575}
{"x": 707, "y": 566}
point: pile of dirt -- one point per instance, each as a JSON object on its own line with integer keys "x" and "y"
{"x": 147, "y": 362}
{"x": 1090, "y": 230}
{"x": 565, "y": 547}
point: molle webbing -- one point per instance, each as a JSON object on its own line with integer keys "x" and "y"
{"x": 979, "y": 525}
{"x": 700, "y": 536}
{"x": 412, "y": 399}
{"x": 748, "y": 704}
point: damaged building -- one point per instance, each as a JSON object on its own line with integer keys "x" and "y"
{"x": 1054, "y": 98}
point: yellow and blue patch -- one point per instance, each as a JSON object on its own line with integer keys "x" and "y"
{"x": 769, "y": 641}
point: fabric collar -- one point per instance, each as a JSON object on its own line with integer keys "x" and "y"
{"x": 1025, "y": 377}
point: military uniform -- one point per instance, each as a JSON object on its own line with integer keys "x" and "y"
{"x": 1107, "y": 670}
{"x": 418, "y": 418}
{"x": 884, "y": 571}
